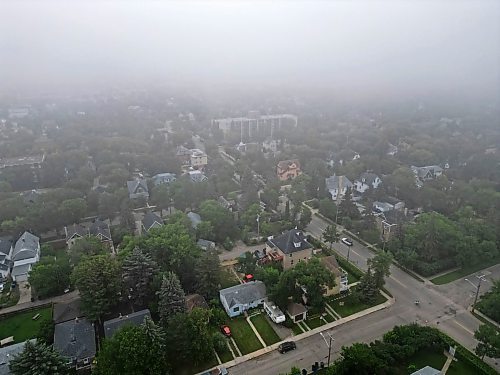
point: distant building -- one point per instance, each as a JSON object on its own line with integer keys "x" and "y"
{"x": 65, "y": 311}
{"x": 427, "y": 370}
{"x": 5, "y": 257}
{"x": 75, "y": 340}
{"x": 151, "y": 221}
{"x": 270, "y": 145}
{"x": 164, "y": 178}
{"x": 195, "y": 301}
{"x": 341, "y": 282}
{"x": 197, "y": 176}
{"x": 288, "y": 169}
{"x": 388, "y": 204}
{"x": 99, "y": 229}
{"x": 25, "y": 253}
{"x": 297, "y": 312}
{"x": 134, "y": 319}
{"x": 290, "y": 248}
{"x": 427, "y": 173}
{"x": 195, "y": 157}
{"x": 337, "y": 186}
{"x": 138, "y": 189}
{"x": 205, "y": 245}
{"x": 367, "y": 181}
{"x": 240, "y": 298}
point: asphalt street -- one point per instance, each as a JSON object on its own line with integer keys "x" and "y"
{"x": 435, "y": 309}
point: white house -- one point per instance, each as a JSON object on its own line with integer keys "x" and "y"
{"x": 337, "y": 186}
{"x": 242, "y": 297}
{"x": 25, "y": 253}
{"x": 367, "y": 181}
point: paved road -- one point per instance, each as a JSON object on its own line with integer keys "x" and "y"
{"x": 435, "y": 309}
{"x": 63, "y": 298}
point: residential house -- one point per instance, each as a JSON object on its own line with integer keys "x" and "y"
{"x": 427, "y": 173}
{"x": 296, "y": 311}
{"x": 135, "y": 319}
{"x": 194, "y": 218}
{"x": 5, "y": 257}
{"x": 138, "y": 188}
{"x": 392, "y": 150}
{"x": 427, "y": 370}
{"x": 8, "y": 353}
{"x": 205, "y": 245}
{"x": 388, "y": 204}
{"x": 389, "y": 222}
{"x": 30, "y": 197}
{"x": 195, "y": 301}
{"x": 197, "y": 176}
{"x": 288, "y": 169}
{"x": 74, "y": 233}
{"x": 290, "y": 248}
{"x": 183, "y": 154}
{"x": 198, "y": 159}
{"x": 25, "y": 253}
{"x": 98, "y": 228}
{"x": 164, "y": 178}
{"x": 270, "y": 145}
{"x": 341, "y": 282}
{"x": 242, "y": 297}
{"x": 229, "y": 205}
{"x": 65, "y": 311}
{"x": 274, "y": 312}
{"x": 337, "y": 186}
{"x": 151, "y": 221}
{"x": 75, "y": 340}
{"x": 367, "y": 181}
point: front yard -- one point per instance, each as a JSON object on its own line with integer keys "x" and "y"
{"x": 9, "y": 297}
{"x": 243, "y": 335}
{"x": 22, "y": 326}
{"x": 228, "y": 279}
{"x": 349, "y": 305}
{"x": 265, "y": 330}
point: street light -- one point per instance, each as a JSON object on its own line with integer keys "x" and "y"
{"x": 481, "y": 278}
{"x": 328, "y": 344}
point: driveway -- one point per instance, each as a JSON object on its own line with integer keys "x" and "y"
{"x": 24, "y": 292}
{"x": 238, "y": 249}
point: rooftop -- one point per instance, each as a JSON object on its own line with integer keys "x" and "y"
{"x": 75, "y": 339}
{"x": 290, "y": 242}
{"x": 244, "y": 293}
{"x": 136, "y": 318}
{"x": 7, "y": 353}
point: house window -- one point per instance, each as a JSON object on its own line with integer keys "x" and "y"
{"x": 236, "y": 309}
{"x": 291, "y": 262}
{"x": 291, "y": 255}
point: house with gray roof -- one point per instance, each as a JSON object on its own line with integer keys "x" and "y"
{"x": 150, "y": 221}
{"x": 367, "y": 181}
{"x": 25, "y": 253}
{"x": 135, "y": 319}
{"x": 164, "y": 178}
{"x": 5, "y": 255}
{"x": 337, "y": 186}
{"x": 65, "y": 311}
{"x": 75, "y": 340}
{"x": 426, "y": 173}
{"x": 197, "y": 176}
{"x": 292, "y": 247}
{"x": 7, "y": 353}
{"x": 242, "y": 297}
{"x": 205, "y": 245}
{"x": 98, "y": 228}
{"x": 138, "y": 188}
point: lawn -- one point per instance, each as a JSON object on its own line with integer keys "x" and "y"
{"x": 243, "y": 335}
{"x": 437, "y": 360}
{"x": 314, "y": 322}
{"x": 9, "y": 297}
{"x": 227, "y": 279}
{"x": 463, "y": 272}
{"x": 265, "y": 330}
{"x": 353, "y": 274}
{"x": 225, "y": 355}
{"x": 296, "y": 329}
{"x": 21, "y": 326}
{"x": 351, "y": 306}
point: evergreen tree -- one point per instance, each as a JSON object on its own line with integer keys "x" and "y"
{"x": 489, "y": 341}
{"x": 381, "y": 264}
{"x": 367, "y": 287}
{"x": 38, "y": 359}
{"x": 138, "y": 272}
{"x": 171, "y": 297}
{"x": 331, "y": 235}
{"x": 208, "y": 271}
{"x": 347, "y": 206}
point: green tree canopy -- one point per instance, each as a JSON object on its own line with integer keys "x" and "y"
{"x": 38, "y": 359}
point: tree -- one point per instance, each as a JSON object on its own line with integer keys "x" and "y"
{"x": 366, "y": 290}
{"x": 46, "y": 331}
{"x": 380, "y": 264}
{"x": 305, "y": 218}
{"x": 347, "y": 207}
{"x": 99, "y": 282}
{"x": 38, "y": 359}
{"x": 205, "y": 230}
{"x": 360, "y": 359}
{"x": 221, "y": 219}
{"x": 72, "y": 210}
{"x": 134, "y": 350}
{"x": 172, "y": 299}
{"x": 138, "y": 272}
{"x": 490, "y": 302}
{"x": 161, "y": 197}
{"x": 328, "y": 208}
{"x": 50, "y": 278}
{"x": 489, "y": 341}
{"x": 208, "y": 274}
{"x": 86, "y": 246}
{"x": 331, "y": 235}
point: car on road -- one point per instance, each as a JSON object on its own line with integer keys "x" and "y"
{"x": 346, "y": 241}
{"x": 226, "y": 331}
{"x": 287, "y": 346}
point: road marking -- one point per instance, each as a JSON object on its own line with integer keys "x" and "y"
{"x": 399, "y": 282}
{"x": 465, "y": 328}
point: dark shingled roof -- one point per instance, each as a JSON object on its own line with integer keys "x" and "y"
{"x": 75, "y": 339}
{"x": 150, "y": 219}
{"x": 66, "y": 311}
{"x": 136, "y": 318}
{"x": 291, "y": 241}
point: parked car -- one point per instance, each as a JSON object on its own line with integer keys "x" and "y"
{"x": 226, "y": 331}
{"x": 287, "y": 346}
{"x": 346, "y": 241}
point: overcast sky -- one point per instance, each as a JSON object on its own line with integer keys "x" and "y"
{"x": 374, "y": 45}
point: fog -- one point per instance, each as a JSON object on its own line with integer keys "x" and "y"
{"x": 370, "y": 47}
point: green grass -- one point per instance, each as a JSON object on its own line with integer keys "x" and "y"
{"x": 352, "y": 306}
{"x": 21, "y": 326}
{"x": 485, "y": 321}
{"x": 228, "y": 279}
{"x": 265, "y": 330}
{"x": 329, "y": 318}
{"x": 9, "y": 297}
{"x": 243, "y": 335}
{"x": 353, "y": 273}
{"x": 296, "y": 329}
{"x": 463, "y": 272}
{"x": 193, "y": 369}
{"x": 437, "y": 360}
{"x": 233, "y": 347}
{"x": 225, "y": 355}
{"x": 314, "y": 322}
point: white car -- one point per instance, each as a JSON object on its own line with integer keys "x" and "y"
{"x": 346, "y": 241}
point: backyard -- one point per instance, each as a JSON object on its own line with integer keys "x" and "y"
{"x": 436, "y": 360}
{"x": 265, "y": 330}
{"x": 22, "y": 326}
{"x": 228, "y": 279}
{"x": 243, "y": 335}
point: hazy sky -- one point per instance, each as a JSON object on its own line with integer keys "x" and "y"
{"x": 374, "y": 45}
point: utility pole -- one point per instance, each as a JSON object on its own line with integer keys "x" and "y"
{"x": 258, "y": 226}
{"x": 481, "y": 278}
{"x": 328, "y": 344}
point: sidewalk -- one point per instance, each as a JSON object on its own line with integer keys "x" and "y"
{"x": 23, "y": 306}
{"x": 304, "y": 335}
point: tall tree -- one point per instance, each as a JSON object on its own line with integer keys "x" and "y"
{"x": 331, "y": 235}
{"x": 489, "y": 341}
{"x": 38, "y": 359}
{"x": 366, "y": 290}
{"x": 221, "y": 219}
{"x": 380, "y": 264}
{"x": 50, "y": 277}
{"x": 208, "y": 272}
{"x": 138, "y": 272}
{"x": 172, "y": 299}
{"x": 87, "y": 246}
{"x": 99, "y": 282}
{"x": 305, "y": 218}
